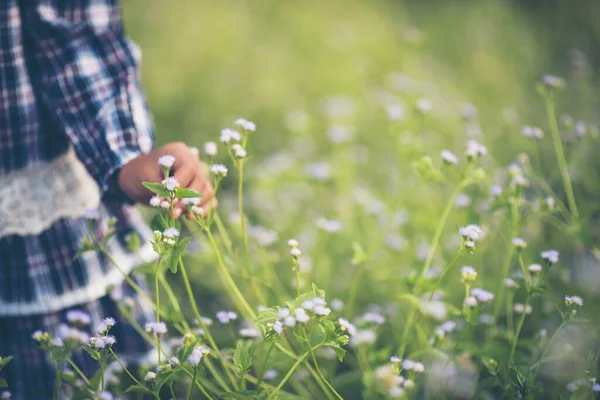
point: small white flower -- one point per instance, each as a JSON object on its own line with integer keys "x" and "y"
{"x": 227, "y": 135}
{"x": 395, "y": 112}
{"x": 532, "y": 132}
{"x": 171, "y": 233}
{"x": 278, "y": 327}
{"x": 158, "y": 328}
{"x": 105, "y": 395}
{"x": 596, "y": 388}
{"x": 238, "y": 151}
{"x": 520, "y": 308}
{"x": 449, "y": 157}
{"x": 191, "y": 201}
{"x": 553, "y": 81}
{"x": 196, "y": 356}
{"x": 482, "y": 296}
{"x": 270, "y": 374}
{"x": 165, "y": 204}
{"x": 245, "y": 124}
{"x": 519, "y": 243}
{"x": 155, "y": 201}
{"x": 345, "y": 325}
{"x": 295, "y": 252}
{"x": 170, "y": 183}
{"x": 365, "y": 336}
{"x": 292, "y": 243}
{"x": 109, "y": 340}
{"x": 395, "y": 360}
{"x": 5, "y": 395}
{"x": 219, "y": 170}
{"x": 550, "y": 255}
{"x": 321, "y": 310}
{"x": 496, "y": 190}
{"x": 307, "y": 304}
{"x": 471, "y": 301}
{"x": 210, "y": 148}
{"x": 301, "y": 315}
{"x": 550, "y": 202}
{"x": 424, "y": 106}
{"x": 475, "y": 149}
{"x": 471, "y": 232}
{"x": 249, "y": 333}
{"x": 396, "y": 392}
{"x": 511, "y": 284}
{"x": 289, "y": 321}
{"x": 373, "y": 317}
{"x": 78, "y": 317}
{"x": 166, "y": 161}
{"x": 463, "y": 200}
{"x": 106, "y": 324}
{"x": 150, "y": 376}
{"x": 283, "y": 312}
{"x": 194, "y": 150}
{"x": 574, "y": 300}
{"x": 534, "y": 268}
{"x": 337, "y": 304}
{"x": 468, "y": 274}
{"x": 225, "y": 317}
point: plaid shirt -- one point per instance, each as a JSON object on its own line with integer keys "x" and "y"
{"x": 68, "y": 80}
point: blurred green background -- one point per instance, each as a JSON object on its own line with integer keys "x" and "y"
{"x": 275, "y": 62}
{"x": 285, "y": 64}
{"x": 206, "y": 62}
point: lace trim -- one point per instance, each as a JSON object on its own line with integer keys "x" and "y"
{"x": 32, "y": 199}
{"x": 85, "y": 294}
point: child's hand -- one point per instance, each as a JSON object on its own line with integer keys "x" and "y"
{"x": 188, "y": 170}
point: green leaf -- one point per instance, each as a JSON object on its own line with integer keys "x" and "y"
{"x": 172, "y": 258}
{"x": 329, "y": 329}
{"x": 266, "y": 316}
{"x": 183, "y": 193}
{"x": 138, "y": 388}
{"x": 5, "y": 360}
{"x": 241, "y": 395}
{"x": 410, "y": 299}
{"x": 3, "y": 383}
{"x": 156, "y": 188}
{"x": 133, "y": 242}
{"x": 242, "y": 360}
{"x": 359, "y": 255}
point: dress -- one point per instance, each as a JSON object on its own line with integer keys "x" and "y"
{"x": 72, "y": 113}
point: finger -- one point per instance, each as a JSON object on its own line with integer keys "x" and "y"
{"x": 185, "y": 175}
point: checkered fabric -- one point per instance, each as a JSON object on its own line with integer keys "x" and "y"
{"x": 68, "y": 80}
{"x": 31, "y": 373}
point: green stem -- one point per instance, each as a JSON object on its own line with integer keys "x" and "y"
{"x": 297, "y": 268}
{"x": 543, "y": 357}
{"x": 435, "y": 242}
{"x": 171, "y": 390}
{"x": 518, "y": 332}
{"x": 192, "y": 386}
{"x": 242, "y": 217}
{"x": 157, "y": 305}
{"x": 79, "y": 372}
{"x": 242, "y": 301}
{"x": 130, "y": 281}
{"x": 263, "y": 367}
{"x": 310, "y": 369}
{"x": 124, "y": 367}
{"x": 57, "y": 382}
{"x": 224, "y": 234}
{"x": 101, "y": 374}
{"x": 312, "y": 354}
{"x": 560, "y": 156}
{"x": 509, "y": 254}
{"x": 299, "y": 361}
{"x": 207, "y": 334}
